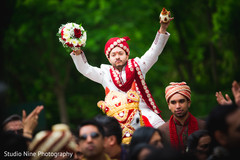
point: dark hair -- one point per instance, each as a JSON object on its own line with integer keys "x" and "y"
{"x": 216, "y": 120}
{"x": 193, "y": 139}
{"x": 136, "y": 150}
{"x": 142, "y": 135}
{"x": 94, "y": 123}
{"x": 11, "y": 118}
{"x": 166, "y": 153}
{"x": 11, "y": 142}
{"x": 111, "y": 126}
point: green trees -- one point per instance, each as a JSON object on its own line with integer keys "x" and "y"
{"x": 202, "y": 50}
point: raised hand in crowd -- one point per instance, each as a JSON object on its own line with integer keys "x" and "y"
{"x": 30, "y": 122}
{"x": 236, "y": 92}
{"x": 223, "y": 100}
{"x": 227, "y": 100}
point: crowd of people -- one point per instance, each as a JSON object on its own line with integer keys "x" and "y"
{"x": 182, "y": 137}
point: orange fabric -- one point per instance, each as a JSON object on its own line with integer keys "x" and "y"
{"x": 181, "y": 88}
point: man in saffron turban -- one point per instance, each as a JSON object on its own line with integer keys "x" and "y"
{"x": 182, "y": 123}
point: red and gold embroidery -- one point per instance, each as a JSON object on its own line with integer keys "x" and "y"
{"x": 125, "y": 108}
{"x": 133, "y": 72}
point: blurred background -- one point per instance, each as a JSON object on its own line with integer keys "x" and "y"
{"x": 203, "y": 50}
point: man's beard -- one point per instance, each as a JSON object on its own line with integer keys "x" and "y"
{"x": 120, "y": 66}
{"x": 183, "y": 114}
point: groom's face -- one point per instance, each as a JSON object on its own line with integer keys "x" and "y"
{"x": 118, "y": 58}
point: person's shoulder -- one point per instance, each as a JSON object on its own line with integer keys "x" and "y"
{"x": 165, "y": 126}
{"x": 137, "y": 59}
{"x": 106, "y": 157}
{"x": 201, "y": 123}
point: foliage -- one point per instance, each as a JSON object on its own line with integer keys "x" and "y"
{"x": 202, "y": 50}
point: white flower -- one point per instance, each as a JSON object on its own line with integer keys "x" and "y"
{"x": 79, "y": 43}
{"x": 68, "y": 25}
{"x": 68, "y": 40}
{"x": 66, "y": 35}
{"x": 62, "y": 41}
{"x": 83, "y": 40}
{"x": 74, "y": 42}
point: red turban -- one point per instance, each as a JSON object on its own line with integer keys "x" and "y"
{"x": 181, "y": 88}
{"x": 117, "y": 42}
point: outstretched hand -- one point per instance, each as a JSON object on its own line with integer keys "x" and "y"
{"x": 221, "y": 100}
{"x": 30, "y": 122}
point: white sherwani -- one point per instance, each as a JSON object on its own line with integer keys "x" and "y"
{"x": 102, "y": 75}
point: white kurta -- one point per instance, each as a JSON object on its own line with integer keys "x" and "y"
{"x": 102, "y": 75}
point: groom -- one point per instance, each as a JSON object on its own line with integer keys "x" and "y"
{"x": 123, "y": 71}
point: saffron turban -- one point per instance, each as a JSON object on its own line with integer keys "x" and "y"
{"x": 175, "y": 87}
{"x": 60, "y": 139}
{"x": 117, "y": 42}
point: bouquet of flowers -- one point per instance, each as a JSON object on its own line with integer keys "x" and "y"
{"x": 72, "y": 36}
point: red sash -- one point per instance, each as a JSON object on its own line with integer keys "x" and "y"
{"x": 133, "y": 72}
{"x": 174, "y": 137}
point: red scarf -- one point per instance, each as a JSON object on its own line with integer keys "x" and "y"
{"x": 192, "y": 124}
{"x": 133, "y": 72}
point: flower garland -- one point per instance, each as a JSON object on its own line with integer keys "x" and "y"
{"x": 72, "y": 36}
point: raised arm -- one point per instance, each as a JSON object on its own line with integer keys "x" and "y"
{"x": 151, "y": 56}
{"x": 80, "y": 61}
